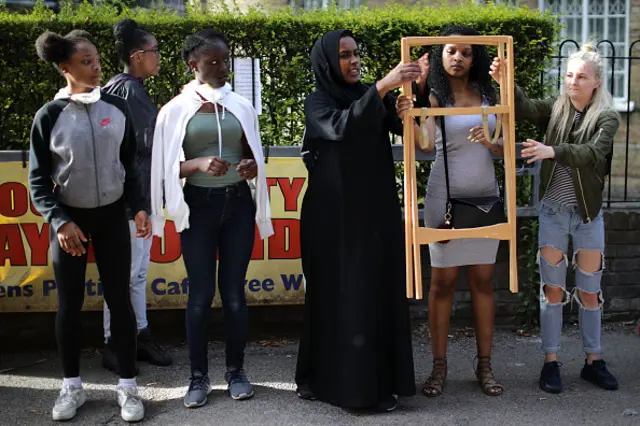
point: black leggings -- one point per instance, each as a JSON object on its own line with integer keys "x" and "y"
{"x": 108, "y": 229}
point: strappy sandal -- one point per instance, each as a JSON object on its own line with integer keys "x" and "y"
{"x": 434, "y": 386}
{"x": 490, "y": 386}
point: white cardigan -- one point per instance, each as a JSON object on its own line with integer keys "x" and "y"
{"x": 170, "y": 130}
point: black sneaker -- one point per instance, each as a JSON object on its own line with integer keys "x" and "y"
{"x": 149, "y": 350}
{"x": 598, "y": 374}
{"x": 550, "y": 377}
{"x": 110, "y": 360}
{"x": 305, "y": 392}
{"x": 386, "y": 405}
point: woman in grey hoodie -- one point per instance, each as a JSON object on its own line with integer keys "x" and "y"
{"x": 139, "y": 54}
{"x": 82, "y": 172}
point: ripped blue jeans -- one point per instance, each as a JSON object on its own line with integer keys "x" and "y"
{"x": 557, "y": 223}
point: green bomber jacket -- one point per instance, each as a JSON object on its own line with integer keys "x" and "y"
{"x": 587, "y": 155}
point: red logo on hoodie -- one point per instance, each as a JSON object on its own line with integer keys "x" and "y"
{"x": 105, "y": 122}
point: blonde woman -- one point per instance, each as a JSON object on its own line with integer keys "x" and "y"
{"x": 580, "y": 126}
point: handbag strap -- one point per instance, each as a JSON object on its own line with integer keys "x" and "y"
{"x": 444, "y": 143}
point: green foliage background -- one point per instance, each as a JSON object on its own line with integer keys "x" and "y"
{"x": 281, "y": 39}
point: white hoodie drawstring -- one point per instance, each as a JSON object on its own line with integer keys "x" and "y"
{"x": 213, "y": 95}
{"x": 215, "y": 107}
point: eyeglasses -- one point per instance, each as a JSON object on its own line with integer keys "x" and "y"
{"x": 155, "y": 51}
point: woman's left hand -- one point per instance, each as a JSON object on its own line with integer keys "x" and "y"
{"x": 534, "y": 150}
{"x": 247, "y": 168}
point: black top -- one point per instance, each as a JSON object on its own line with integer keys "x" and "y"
{"x": 143, "y": 114}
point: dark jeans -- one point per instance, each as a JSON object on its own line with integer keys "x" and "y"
{"x": 108, "y": 229}
{"x": 221, "y": 221}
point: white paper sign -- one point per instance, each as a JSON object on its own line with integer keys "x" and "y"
{"x": 246, "y": 81}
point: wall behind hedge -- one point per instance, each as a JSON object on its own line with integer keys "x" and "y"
{"x": 282, "y": 40}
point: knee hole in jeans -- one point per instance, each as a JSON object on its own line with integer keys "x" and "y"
{"x": 588, "y": 261}
{"x": 555, "y": 294}
{"x": 552, "y": 255}
{"x": 588, "y": 301}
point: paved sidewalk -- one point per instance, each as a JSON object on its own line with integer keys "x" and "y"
{"x": 27, "y": 394}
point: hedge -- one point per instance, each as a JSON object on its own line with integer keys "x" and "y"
{"x": 281, "y": 39}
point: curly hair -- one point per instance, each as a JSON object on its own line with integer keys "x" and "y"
{"x": 478, "y": 74}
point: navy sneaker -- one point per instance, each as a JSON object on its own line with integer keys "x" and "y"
{"x": 598, "y": 374}
{"x": 550, "y": 377}
{"x": 198, "y": 391}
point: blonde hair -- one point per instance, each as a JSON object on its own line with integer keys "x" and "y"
{"x": 601, "y": 100}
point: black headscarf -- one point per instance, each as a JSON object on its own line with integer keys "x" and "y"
{"x": 325, "y": 61}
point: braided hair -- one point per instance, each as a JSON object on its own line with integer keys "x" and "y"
{"x": 478, "y": 74}
{"x": 198, "y": 42}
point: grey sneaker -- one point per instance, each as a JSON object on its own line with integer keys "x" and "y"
{"x": 131, "y": 407}
{"x": 70, "y": 399}
{"x": 239, "y": 386}
{"x": 199, "y": 389}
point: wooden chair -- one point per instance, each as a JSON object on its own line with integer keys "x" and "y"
{"x": 416, "y": 236}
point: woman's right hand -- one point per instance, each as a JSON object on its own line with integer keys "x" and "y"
{"x": 71, "y": 238}
{"x": 401, "y": 74}
{"x": 213, "y": 166}
{"x": 403, "y": 104}
{"x": 495, "y": 69}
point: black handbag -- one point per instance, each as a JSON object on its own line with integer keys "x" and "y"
{"x": 464, "y": 213}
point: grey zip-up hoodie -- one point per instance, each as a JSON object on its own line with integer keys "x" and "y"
{"x": 83, "y": 155}
{"x": 143, "y": 119}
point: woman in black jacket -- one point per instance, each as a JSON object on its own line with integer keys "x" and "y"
{"x": 139, "y": 54}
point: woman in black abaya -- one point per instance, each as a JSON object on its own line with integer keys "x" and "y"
{"x": 355, "y": 350}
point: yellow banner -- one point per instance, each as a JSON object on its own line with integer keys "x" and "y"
{"x": 27, "y": 282}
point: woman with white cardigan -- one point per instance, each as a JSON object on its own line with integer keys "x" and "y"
{"x": 208, "y": 136}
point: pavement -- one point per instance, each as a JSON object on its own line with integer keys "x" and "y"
{"x": 29, "y": 383}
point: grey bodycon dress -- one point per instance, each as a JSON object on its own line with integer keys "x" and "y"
{"x": 471, "y": 174}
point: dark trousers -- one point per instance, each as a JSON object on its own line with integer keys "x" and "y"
{"x": 108, "y": 229}
{"x": 222, "y": 222}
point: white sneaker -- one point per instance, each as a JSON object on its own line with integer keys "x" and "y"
{"x": 131, "y": 404}
{"x": 70, "y": 399}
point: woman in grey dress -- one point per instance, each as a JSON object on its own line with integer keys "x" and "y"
{"x": 458, "y": 76}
